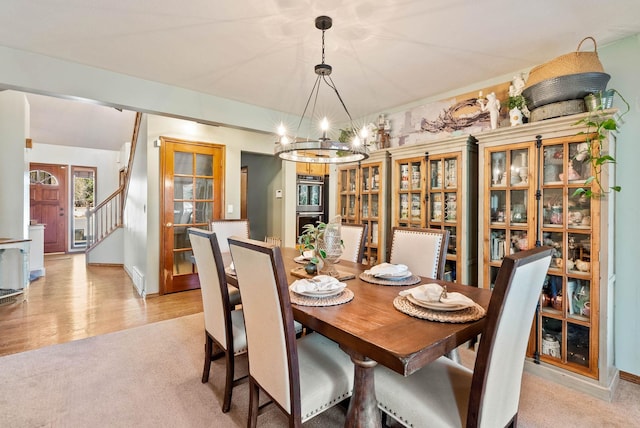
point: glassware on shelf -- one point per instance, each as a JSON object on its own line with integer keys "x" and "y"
{"x": 404, "y": 176}
{"x": 415, "y": 176}
{"x": 450, "y": 207}
{"x": 436, "y": 174}
{"x": 451, "y": 173}
{"x": 498, "y": 173}
{"x": 404, "y": 206}
{"x": 436, "y": 207}
{"x": 415, "y": 206}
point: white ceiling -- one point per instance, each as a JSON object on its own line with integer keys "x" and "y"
{"x": 384, "y": 53}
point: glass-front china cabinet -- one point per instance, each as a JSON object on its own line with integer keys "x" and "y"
{"x": 363, "y": 199}
{"x": 434, "y": 186}
{"x": 528, "y": 181}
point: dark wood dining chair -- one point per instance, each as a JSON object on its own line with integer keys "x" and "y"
{"x": 447, "y": 394}
{"x": 353, "y": 237}
{"x": 303, "y": 377}
{"x": 424, "y": 251}
{"x": 224, "y": 326}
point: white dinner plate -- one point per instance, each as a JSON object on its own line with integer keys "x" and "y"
{"x": 301, "y": 259}
{"x": 436, "y": 306}
{"x": 395, "y": 276}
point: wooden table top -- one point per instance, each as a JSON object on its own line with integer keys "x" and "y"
{"x": 371, "y": 326}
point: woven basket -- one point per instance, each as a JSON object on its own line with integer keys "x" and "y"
{"x": 571, "y": 63}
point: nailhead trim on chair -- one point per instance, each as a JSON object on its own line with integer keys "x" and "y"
{"x": 393, "y": 414}
{"x": 326, "y": 406}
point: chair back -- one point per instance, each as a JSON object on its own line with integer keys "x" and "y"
{"x": 495, "y": 388}
{"x": 353, "y": 238}
{"x": 422, "y": 250}
{"x": 273, "y": 240}
{"x": 224, "y": 228}
{"x": 273, "y": 357}
{"x": 213, "y": 284}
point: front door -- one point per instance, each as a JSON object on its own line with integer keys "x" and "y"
{"x": 192, "y": 175}
{"x": 48, "y": 200}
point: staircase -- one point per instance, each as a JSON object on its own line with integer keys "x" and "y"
{"x": 106, "y": 218}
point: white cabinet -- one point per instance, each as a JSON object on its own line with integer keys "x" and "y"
{"x": 36, "y": 254}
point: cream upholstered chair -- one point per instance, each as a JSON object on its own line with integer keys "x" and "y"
{"x": 224, "y": 228}
{"x": 446, "y": 394}
{"x": 273, "y": 240}
{"x": 303, "y": 377}
{"x": 422, "y": 250}
{"x": 224, "y": 327}
{"x": 353, "y": 238}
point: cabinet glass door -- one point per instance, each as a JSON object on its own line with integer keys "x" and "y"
{"x": 410, "y": 185}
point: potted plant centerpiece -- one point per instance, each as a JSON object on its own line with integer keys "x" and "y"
{"x": 325, "y": 242}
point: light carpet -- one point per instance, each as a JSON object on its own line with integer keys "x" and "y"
{"x": 149, "y": 376}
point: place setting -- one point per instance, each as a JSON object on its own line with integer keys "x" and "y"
{"x": 320, "y": 290}
{"x": 390, "y": 274}
{"x": 434, "y": 303}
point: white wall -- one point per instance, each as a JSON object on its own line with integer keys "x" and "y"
{"x": 622, "y": 61}
{"x": 106, "y": 162}
{"x": 14, "y": 198}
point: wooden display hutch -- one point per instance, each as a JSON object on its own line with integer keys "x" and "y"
{"x": 528, "y": 178}
{"x": 363, "y": 198}
{"x": 434, "y": 186}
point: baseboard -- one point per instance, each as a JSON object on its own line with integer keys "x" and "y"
{"x": 603, "y": 390}
{"x": 105, "y": 264}
{"x": 630, "y": 377}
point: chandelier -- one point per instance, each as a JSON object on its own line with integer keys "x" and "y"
{"x": 323, "y": 149}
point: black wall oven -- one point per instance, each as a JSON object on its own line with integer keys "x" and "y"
{"x": 310, "y": 193}
{"x": 310, "y": 199}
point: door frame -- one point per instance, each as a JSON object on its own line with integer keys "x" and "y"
{"x": 64, "y": 203}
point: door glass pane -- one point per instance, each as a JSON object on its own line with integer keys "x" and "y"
{"x": 204, "y": 212}
{"x": 204, "y": 165}
{"x": 182, "y": 212}
{"x": 552, "y": 209}
{"x": 183, "y": 188}
{"x": 578, "y": 344}
{"x": 451, "y": 207}
{"x": 204, "y": 188}
{"x": 551, "y": 337}
{"x": 182, "y": 262}
{"x": 519, "y": 167}
{"x": 183, "y": 163}
{"x": 498, "y": 165}
{"x": 518, "y": 207}
{"x": 415, "y": 175}
{"x": 553, "y": 164}
{"x": 436, "y": 174}
{"x": 498, "y": 205}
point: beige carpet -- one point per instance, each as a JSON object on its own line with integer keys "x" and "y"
{"x": 150, "y": 377}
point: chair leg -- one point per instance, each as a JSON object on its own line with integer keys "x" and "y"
{"x": 254, "y": 396}
{"x": 228, "y": 385}
{"x": 208, "y": 349}
{"x": 453, "y": 355}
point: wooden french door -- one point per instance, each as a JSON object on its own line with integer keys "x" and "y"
{"x": 191, "y": 189}
{"x": 48, "y": 203}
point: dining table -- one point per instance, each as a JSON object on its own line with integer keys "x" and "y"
{"x": 372, "y": 331}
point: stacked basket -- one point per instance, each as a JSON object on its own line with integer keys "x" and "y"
{"x": 569, "y": 77}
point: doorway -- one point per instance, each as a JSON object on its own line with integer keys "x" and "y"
{"x": 48, "y": 203}
{"x": 191, "y": 190}
{"x": 84, "y": 194}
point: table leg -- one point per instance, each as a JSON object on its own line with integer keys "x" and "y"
{"x": 363, "y": 408}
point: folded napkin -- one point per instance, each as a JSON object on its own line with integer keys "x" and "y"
{"x": 432, "y": 293}
{"x": 388, "y": 269}
{"x": 320, "y": 283}
{"x": 308, "y": 254}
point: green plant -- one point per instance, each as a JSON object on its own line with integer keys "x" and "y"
{"x": 598, "y": 123}
{"x": 308, "y": 240}
{"x": 516, "y": 101}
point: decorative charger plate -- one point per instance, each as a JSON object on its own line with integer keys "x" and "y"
{"x": 472, "y": 313}
{"x": 344, "y": 296}
{"x": 410, "y": 280}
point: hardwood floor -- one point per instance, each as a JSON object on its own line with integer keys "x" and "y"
{"x": 73, "y": 301}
